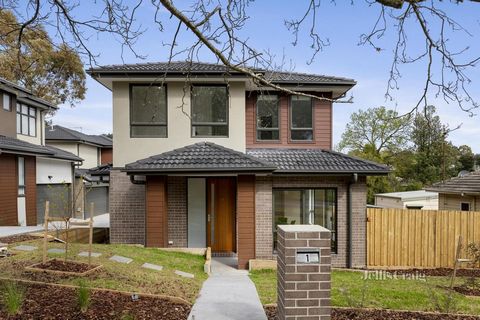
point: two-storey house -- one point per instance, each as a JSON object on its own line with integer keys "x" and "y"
{"x": 204, "y": 157}
{"x": 30, "y": 171}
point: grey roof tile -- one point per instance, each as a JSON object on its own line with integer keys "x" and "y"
{"x": 184, "y": 67}
{"x": 316, "y": 161}
{"x": 57, "y": 132}
{"x": 20, "y": 146}
{"x": 203, "y": 156}
{"x": 468, "y": 184}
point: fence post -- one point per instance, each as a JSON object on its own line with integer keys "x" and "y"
{"x": 303, "y": 273}
{"x": 90, "y": 236}
{"x": 45, "y": 232}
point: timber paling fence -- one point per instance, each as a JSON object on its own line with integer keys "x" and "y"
{"x": 398, "y": 238}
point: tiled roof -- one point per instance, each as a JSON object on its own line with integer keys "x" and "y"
{"x": 200, "y": 157}
{"x": 184, "y": 67}
{"x": 468, "y": 184}
{"x": 316, "y": 161}
{"x": 100, "y": 170}
{"x": 57, "y": 132}
{"x": 19, "y": 146}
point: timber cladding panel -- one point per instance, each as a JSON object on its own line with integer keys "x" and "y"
{"x": 156, "y": 212}
{"x": 245, "y": 220}
{"x": 8, "y": 190}
{"x": 31, "y": 190}
{"x": 322, "y": 125}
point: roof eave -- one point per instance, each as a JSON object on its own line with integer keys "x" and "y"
{"x": 193, "y": 170}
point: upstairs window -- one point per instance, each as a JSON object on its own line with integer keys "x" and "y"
{"x": 7, "y": 102}
{"x": 26, "y": 120}
{"x": 148, "y": 111}
{"x": 268, "y": 117}
{"x": 301, "y": 118}
{"x": 209, "y": 111}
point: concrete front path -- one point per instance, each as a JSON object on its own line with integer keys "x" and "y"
{"x": 228, "y": 294}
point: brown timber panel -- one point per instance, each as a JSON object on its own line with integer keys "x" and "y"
{"x": 31, "y": 190}
{"x": 322, "y": 125}
{"x": 156, "y": 212}
{"x": 8, "y": 190}
{"x": 106, "y": 156}
{"x": 245, "y": 220}
{"x": 418, "y": 238}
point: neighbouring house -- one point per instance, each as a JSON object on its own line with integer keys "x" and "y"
{"x": 461, "y": 193}
{"x": 96, "y": 150}
{"x": 30, "y": 171}
{"x": 204, "y": 157}
{"x": 418, "y": 199}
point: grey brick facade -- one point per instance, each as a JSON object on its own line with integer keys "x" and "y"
{"x": 127, "y": 209}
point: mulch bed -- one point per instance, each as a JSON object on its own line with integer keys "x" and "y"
{"x": 467, "y": 291}
{"x": 18, "y": 238}
{"x": 51, "y": 302}
{"x": 438, "y": 272}
{"x": 377, "y": 314}
{"x": 68, "y": 266}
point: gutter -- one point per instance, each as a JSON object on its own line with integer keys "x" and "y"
{"x": 353, "y": 180}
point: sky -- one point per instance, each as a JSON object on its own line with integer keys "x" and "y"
{"x": 342, "y": 24}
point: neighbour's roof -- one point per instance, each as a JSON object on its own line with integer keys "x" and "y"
{"x": 203, "y": 68}
{"x": 316, "y": 161}
{"x": 59, "y": 133}
{"x": 16, "y": 146}
{"x": 100, "y": 170}
{"x": 408, "y": 195}
{"x": 25, "y": 95}
{"x": 467, "y": 184}
{"x": 200, "y": 157}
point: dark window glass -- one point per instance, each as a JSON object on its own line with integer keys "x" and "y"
{"x": 26, "y": 120}
{"x": 301, "y": 118}
{"x": 267, "y": 117}
{"x": 306, "y": 206}
{"x": 209, "y": 111}
{"x": 148, "y": 113}
{"x": 464, "y": 206}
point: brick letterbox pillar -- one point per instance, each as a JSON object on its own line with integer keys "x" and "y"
{"x": 303, "y": 272}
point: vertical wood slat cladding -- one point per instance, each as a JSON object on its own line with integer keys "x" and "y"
{"x": 245, "y": 220}
{"x": 322, "y": 125}
{"x": 8, "y": 190}
{"x": 156, "y": 212}
{"x": 106, "y": 156}
{"x": 31, "y": 190}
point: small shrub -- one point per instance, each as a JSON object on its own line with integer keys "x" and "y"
{"x": 83, "y": 296}
{"x": 127, "y": 316}
{"x": 352, "y": 300}
{"x": 444, "y": 301}
{"x": 12, "y": 297}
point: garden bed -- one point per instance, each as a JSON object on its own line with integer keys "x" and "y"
{"x": 18, "y": 238}
{"x": 380, "y": 314}
{"x": 467, "y": 291}
{"x": 64, "y": 267}
{"x": 55, "y": 302}
{"x": 437, "y": 272}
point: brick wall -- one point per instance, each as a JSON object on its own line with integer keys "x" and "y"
{"x": 127, "y": 209}
{"x": 177, "y": 211}
{"x": 340, "y": 258}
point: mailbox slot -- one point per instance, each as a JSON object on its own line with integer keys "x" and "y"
{"x": 308, "y": 256}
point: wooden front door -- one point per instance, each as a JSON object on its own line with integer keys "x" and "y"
{"x": 221, "y": 214}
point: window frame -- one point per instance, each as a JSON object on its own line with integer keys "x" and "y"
{"x": 209, "y": 124}
{"x": 10, "y": 101}
{"x": 290, "y": 124}
{"x": 20, "y": 114}
{"x": 130, "y": 93}
{"x": 334, "y": 248}
{"x": 21, "y": 186}
{"x": 257, "y": 129}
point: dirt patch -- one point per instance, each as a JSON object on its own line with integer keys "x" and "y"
{"x": 50, "y": 302}
{"x": 18, "y": 238}
{"x": 377, "y": 314}
{"x": 438, "y": 272}
{"x": 467, "y": 291}
{"x": 64, "y": 266}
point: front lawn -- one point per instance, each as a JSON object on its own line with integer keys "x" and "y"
{"x": 125, "y": 277}
{"x": 350, "y": 290}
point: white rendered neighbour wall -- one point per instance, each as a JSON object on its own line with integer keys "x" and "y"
{"x": 128, "y": 149}
{"x": 60, "y": 171}
{"x": 90, "y": 156}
